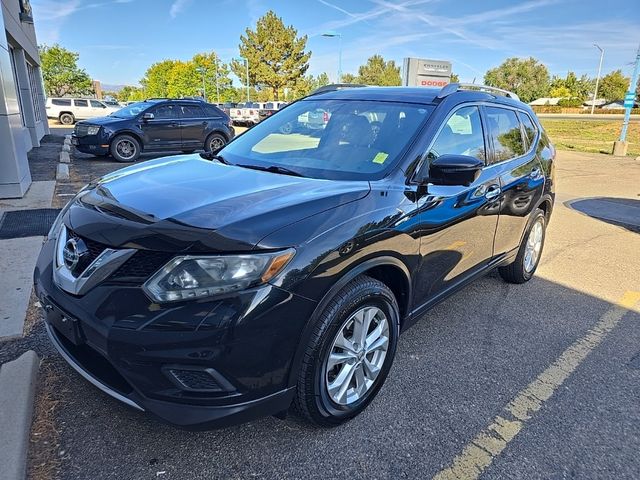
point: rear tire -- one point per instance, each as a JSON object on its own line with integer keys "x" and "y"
{"x": 125, "y": 148}
{"x": 67, "y": 119}
{"x": 529, "y": 253}
{"x": 214, "y": 142}
{"x": 349, "y": 354}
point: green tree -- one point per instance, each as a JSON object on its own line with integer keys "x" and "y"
{"x": 276, "y": 55}
{"x": 571, "y": 86}
{"x": 528, "y": 78}
{"x": 455, "y": 78}
{"x": 613, "y": 86}
{"x": 307, "y": 84}
{"x": 129, "y": 93}
{"x": 214, "y": 68}
{"x": 349, "y": 78}
{"x": 377, "y": 71}
{"x": 156, "y": 79}
{"x": 61, "y": 73}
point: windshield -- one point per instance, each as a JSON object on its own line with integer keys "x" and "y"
{"x": 132, "y": 110}
{"x": 331, "y": 139}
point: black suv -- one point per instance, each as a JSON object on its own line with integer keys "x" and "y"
{"x": 154, "y": 125}
{"x": 280, "y": 271}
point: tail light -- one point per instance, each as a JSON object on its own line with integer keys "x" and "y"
{"x": 325, "y": 117}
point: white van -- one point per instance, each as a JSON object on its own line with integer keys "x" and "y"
{"x": 69, "y": 110}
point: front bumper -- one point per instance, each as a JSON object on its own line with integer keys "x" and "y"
{"x": 93, "y": 144}
{"x": 126, "y": 345}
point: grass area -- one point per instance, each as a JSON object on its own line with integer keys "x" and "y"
{"x": 590, "y": 135}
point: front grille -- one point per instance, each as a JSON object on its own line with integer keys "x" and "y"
{"x": 142, "y": 265}
{"x": 196, "y": 380}
{"x": 139, "y": 267}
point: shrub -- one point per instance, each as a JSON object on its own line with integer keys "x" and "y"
{"x": 570, "y": 102}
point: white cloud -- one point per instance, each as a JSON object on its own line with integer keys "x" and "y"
{"x": 177, "y": 7}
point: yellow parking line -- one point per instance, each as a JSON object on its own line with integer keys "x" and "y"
{"x": 489, "y": 443}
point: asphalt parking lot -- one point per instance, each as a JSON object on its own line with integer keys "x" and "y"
{"x": 540, "y": 380}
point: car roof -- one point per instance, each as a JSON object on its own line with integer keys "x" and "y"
{"x": 419, "y": 95}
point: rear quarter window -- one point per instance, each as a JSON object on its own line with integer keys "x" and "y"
{"x": 213, "y": 111}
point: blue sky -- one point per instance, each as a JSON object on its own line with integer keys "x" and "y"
{"x": 118, "y": 39}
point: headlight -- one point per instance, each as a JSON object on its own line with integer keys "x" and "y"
{"x": 93, "y": 130}
{"x": 190, "y": 277}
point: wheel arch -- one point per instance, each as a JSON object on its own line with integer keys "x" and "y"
{"x": 389, "y": 270}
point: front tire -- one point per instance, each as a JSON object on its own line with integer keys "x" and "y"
{"x": 529, "y": 253}
{"x": 125, "y": 148}
{"x": 349, "y": 354}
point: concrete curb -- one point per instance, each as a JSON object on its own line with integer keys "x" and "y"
{"x": 66, "y": 147}
{"x": 62, "y": 172}
{"x": 64, "y": 157}
{"x": 18, "y": 382}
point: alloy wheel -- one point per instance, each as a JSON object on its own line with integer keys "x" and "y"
{"x": 533, "y": 246}
{"x": 215, "y": 144}
{"x": 357, "y": 355}
{"x": 126, "y": 149}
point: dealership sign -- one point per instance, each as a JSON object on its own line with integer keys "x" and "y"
{"x": 418, "y": 72}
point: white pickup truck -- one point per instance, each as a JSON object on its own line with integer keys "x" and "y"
{"x": 246, "y": 114}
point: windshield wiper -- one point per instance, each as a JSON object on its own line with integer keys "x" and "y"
{"x": 213, "y": 156}
{"x": 273, "y": 169}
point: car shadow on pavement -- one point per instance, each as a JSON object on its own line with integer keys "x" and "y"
{"x": 455, "y": 370}
{"x": 623, "y": 212}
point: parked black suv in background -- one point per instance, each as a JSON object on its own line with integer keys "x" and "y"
{"x": 281, "y": 270}
{"x": 154, "y": 125}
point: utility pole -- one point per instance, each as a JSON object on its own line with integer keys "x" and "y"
{"x": 595, "y": 92}
{"x": 332, "y": 34}
{"x": 204, "y": 84}
{"x": 620, "y": 147}
{"x": 246, "y": 62}
{"x": 217, "y": 86}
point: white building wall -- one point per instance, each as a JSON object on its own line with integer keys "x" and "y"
{"x": 23, "y": 120}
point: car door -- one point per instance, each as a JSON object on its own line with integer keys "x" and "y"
{"x": 162, "y": 132}
{"x": 81, "y": 110}
{"x": 519, "y": 170}
{"x": 456, "y": 224}
{"x": 98, "y": 109}
{"x": 193, "y": 123}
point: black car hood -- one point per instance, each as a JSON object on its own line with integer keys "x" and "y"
{"x": 103, "y": 120}
{"x": 207, "y": 205}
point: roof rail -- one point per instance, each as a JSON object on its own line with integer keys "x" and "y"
{"x": 455, "y": 87}
{"x": 335, "y": 86}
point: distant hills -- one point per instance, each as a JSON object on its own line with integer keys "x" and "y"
{"x": 106, "y": 87}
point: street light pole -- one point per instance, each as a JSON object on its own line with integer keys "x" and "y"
{"x": 217, "y": 87}
{"x": 332, "y": 34}
{"x": 204, "y": 85}
{"x": 595, "y": 92}
{"x": 246, "y": 62}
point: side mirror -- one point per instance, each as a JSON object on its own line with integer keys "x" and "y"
{"x": 454, "y": 170}
{"x": 148, "y": 116}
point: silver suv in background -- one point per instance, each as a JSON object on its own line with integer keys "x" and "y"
{"x": 68, "y": 110}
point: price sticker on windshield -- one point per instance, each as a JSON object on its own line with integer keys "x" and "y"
{"x": 380, "y": 157}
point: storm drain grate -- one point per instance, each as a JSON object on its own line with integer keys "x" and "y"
{"x": 27, "y": 223}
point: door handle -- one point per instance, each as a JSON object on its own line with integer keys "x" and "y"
{"x": 175, "y": 124}
{"x": 535, "y": 172}
{"x": 204, "y": 124}
{"x": 492, "y": 192}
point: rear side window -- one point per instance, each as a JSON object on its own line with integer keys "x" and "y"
{"x": 461, "y": 135}
{"x": 505, "y": 132}
{"x": 212, "y": 111}
{"x": 192, "y": 111}
{"x": 530, "y": 129}
{"x": 81, "y": 103}
{"x": 63, "y": 102}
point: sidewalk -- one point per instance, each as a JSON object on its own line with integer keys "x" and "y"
{"x": 24, "y": 223}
